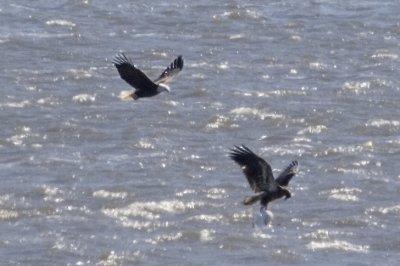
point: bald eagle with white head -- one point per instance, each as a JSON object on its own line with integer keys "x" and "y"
{"x": 261, "y": 179}
{"x": 137, "y": 79}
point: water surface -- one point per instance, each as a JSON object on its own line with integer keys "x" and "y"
{"x": 87, "y": 179}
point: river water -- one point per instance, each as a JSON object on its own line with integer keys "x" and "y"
{"x": 88, "y": 179}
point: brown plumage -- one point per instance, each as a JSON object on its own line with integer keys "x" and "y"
{"x": 259, "y": 175}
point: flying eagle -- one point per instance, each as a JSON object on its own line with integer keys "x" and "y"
{"x": 259, "y": 175}
{"x": 137, "y": 79}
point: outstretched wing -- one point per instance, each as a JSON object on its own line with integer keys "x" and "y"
{"x": 286, "y": 175}
{"x": 257, "y": 171}
{"x": 171, "y": 71}
{"x": 131, "y": 74}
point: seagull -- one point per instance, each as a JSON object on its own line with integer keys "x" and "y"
{"x": 137, "y": 79}
{"x": 261, "y": 180}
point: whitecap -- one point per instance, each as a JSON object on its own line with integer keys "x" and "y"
{"x": 152, "y": 210}
{"x": 60, "y": 22}
{"x": 382, "y": 123}
{"x": 208, "y": 168}
{"x": 317, "y": 129}
{"x": 82, "y": 73}
{"x": 21, "y": 104}
{"x": 148, "y": 215}
{"x": 317, "y": 66}
{"x": 109, "y": 194}
{"x": 206, "y": 235}
{"x": 320, "y": 234}
{"x": 23, "y": 133}
{"x": 356, "y": 87}
{"x": 162, "y": 54}
{"x": 239, "y": 216}
{"x": 227, "y": 14}
{"x": 5, "y": 198}
{"x": 185, "y": 192}
{"x": 350, "y": 149}
{"x": 246, "y": 111}
{"x": 338, "y": 245}
{"x": 164, "y": 238}
{"x": 17, "y": 140}
{"x": 8, "y": 215}
{"x": 220, "y": 121}
{"x": 208, "y": 218}
{"x": 48, "y": 101}
{"x": 216, "y": 193}
{"x": 83, "y": 98}
{"x": 385, "y": 210}
{"x": 343, "y": 194}
{"x": 111, "y": 258}
{"x": 145, "y": 144}
{"x": 236, "y": 36}
{"x": 260, "y": 233}
{"x": 295, "y": 37}
{"x": 384, "y": 54}
{"x": 237, "y": 14}
{"x": 52, "y": 194}
{"x": 285, "y": 92}
{"x": 223, "y": 65}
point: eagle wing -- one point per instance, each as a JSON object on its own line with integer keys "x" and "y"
{"x": 171, "y": 71}
{"x": 131, "y": 74}
{"x": 287, "y": 174}
{"x": 257, "y": 171}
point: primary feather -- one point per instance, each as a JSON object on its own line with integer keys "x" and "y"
{"x": 171, "y": 71}
{"x": 287, "y": 174}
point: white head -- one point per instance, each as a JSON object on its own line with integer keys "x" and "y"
{"x": 162, "y": 87}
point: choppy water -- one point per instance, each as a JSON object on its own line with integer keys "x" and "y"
{"x": 87, "y": 179}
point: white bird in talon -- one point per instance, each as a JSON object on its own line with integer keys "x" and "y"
{"x": 263, "y": 217}
{"x": 261, "y": 180}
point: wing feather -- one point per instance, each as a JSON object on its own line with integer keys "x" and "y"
{"x": 171, "y": 71}
{"x": 132, "y": 75}
{"x": 287, "y": 174}
{"x": 257, "y": 171}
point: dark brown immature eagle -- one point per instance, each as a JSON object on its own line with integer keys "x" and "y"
{"x": 259, "y": 175}
{"x": 137, "y": 79}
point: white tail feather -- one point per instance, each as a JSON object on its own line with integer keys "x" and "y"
{"x": 126, "y": 95}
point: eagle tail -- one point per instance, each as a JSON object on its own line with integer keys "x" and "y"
{"x": 127, "y": 95}
{"x": 252, "y": 199}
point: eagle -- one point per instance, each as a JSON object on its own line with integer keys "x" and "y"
{"x": 261, "y": 180}
{"x": 137, "y": 79}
